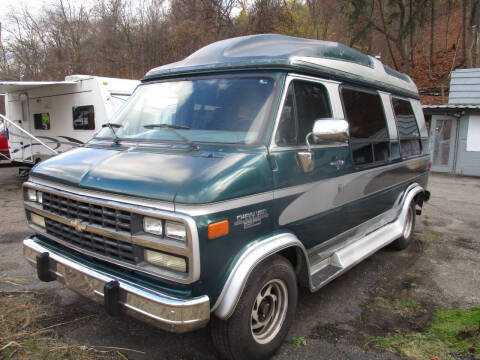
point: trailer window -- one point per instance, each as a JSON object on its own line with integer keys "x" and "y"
{"x": 41, "y": 121}
{"x": 83, "y": 117}
{"x": 369, "y": 138}
{"x": 408, "y": 132}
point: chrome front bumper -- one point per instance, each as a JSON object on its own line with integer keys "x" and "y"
{"x": 163, "y": 311}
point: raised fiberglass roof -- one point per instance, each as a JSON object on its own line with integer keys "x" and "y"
{"x": 279, "y": 51}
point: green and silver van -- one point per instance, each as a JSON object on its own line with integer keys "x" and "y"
{"x": 254, "y": 166}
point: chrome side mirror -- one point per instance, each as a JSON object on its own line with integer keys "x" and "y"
{"x": 325, "y": 131}
{"x": 330, "y": 131}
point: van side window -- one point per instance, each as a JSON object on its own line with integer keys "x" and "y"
{"x": 83, "y": 117}
{"x": 369, "y": 138}
{"x": 305, "y": 102}
{"x": 410, "y": 143}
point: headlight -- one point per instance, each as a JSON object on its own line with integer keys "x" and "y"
{"x": 166, "y": 261}
{"x": 175, "y": 230}
{"x": 34, "y": 196}
{"x": 153, "y": 226}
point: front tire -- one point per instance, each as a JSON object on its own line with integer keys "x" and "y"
{"x": 263, "y": 314}
{"x": 404, "y": 241}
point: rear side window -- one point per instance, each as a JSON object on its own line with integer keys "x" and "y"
{"x": 83, "y": 117}
{"x": 305, "y": 102}
{"x": 408, "y": 132}
{"x": 369, "y": 138}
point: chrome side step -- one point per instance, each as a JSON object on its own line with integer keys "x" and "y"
{"x": 347, "y": 257}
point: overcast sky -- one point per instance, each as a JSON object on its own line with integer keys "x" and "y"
{"x": 32, "y": 5}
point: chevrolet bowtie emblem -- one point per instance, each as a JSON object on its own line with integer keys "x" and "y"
{"x": 79, "y": 225}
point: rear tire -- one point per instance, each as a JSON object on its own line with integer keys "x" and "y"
{"x": 263, "y": 314}
{"x": 404, "y": 241}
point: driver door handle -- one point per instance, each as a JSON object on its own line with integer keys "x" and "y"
{"x": 338, "y": 164}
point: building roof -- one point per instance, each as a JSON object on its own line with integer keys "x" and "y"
{"x": 452, "y": 106}
{"x": 272, "y": 51}
{"x": 465, "y": 87}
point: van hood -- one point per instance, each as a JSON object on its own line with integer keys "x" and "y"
{"x": 171, "y": 174}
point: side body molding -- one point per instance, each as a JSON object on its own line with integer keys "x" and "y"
{"x": 342, "y": 259}
{"x": 233, "y": 288}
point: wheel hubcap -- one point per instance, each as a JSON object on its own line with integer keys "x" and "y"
{"x": 269, "y": 311}
{"x": 408, "y": 224}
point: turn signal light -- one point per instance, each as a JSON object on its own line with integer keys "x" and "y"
{"x": 217, "y": 229}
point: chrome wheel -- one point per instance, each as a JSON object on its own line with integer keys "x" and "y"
{"x": 407, "y": 230}
{"x": 269, "y": 311}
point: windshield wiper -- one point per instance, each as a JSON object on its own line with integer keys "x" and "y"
{"x": 173, "y": 128}
{"x": 111, "y": 126}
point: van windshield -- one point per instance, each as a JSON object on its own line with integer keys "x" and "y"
{"x": 220, "y": 110}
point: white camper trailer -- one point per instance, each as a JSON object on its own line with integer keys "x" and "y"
{"x": 48, "y": 117}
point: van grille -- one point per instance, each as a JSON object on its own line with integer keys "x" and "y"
{"x": 92, "y": 242}
{"x": 106, "y": 217}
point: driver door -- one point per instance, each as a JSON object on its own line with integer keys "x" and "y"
{"x": 309, "y": 201}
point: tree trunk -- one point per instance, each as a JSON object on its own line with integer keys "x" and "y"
{"x": 432, "y": 28}
{"x": 411, "y": 36}
{"x": 470, "y": 49}
{"x": 464, "y": 31}
{"x": 386, "y": 35}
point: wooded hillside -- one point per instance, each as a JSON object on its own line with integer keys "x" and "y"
{"x": 125, "y": 38}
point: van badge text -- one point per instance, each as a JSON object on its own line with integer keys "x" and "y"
{"x": 251, "y": 219}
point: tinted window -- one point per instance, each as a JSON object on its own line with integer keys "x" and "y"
{"x": 408, "y": 132}
{"x": 83, "y": 117}
{"x": 368, "y": 127}
{"x": 305, "y": 103}
{"x": 406, "y": 122}
{"x": 41, "y": 121}
{"x": 365, "y": 116}
{"x": 311, "y": 102}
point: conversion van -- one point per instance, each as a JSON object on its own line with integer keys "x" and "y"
{"x": 44, "y": 118}
{"x": 254, "y": 166}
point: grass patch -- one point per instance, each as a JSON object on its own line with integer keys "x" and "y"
{"x": 28, "y": 327}
{"x": 299, "y": 341}
{"x": 402, "y": 307}
{"x": 451, "y": 334}
{"x": 429, "y": 237}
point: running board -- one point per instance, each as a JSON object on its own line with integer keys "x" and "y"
{"x": 347, "y": 257}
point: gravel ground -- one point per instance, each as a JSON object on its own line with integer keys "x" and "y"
{"x": 335, "y": 323}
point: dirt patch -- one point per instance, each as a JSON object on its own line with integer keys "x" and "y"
{"x": 29, "y": 329}
{"x": 14, "y": 237}
{"x": 468, "y": 243}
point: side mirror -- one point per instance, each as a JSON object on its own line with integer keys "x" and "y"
{"x": 330, "y": 131}
{"x": 325, "y": 131}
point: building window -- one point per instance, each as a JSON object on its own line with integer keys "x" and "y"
{"x": 408, "y": 133}
{"x": 369, "y": 138}
{"x": 83, "y": 117}
{"x": 41, "y": 121}
{"x": 305, "y": 102}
